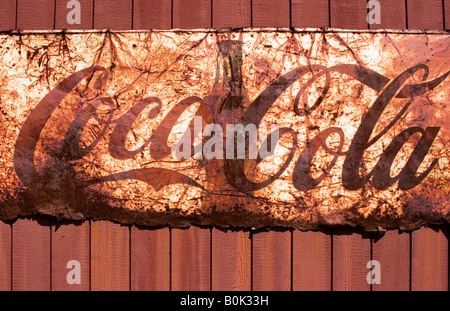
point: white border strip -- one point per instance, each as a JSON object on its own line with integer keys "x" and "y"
{"x": 235, "y": 30}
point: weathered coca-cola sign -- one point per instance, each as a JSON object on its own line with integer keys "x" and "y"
{"x": 248, "y": 128}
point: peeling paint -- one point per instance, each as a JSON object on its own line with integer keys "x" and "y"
{"x": 88, "y": 120}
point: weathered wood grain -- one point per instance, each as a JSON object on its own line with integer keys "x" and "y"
{"x": 113, "y": 14}
{"x": 150, "y": 247}
{"x": 231, "y": 13}
{"x": 191, "y": 259}
{"x": 70, "y": 241}
{"x": 429, "y": 261}
{"x": 31, "y": 245}
{"x": 393, "y": 15}
{"x": 231, "y": 260}
{"x": 152, "y": 14}
{"x": 349, "y": 14}
{"x": 351, "y": 252}
{"x": 311, "y": 260}
{"x": 110, "y": 256}
{"x": 267, "y": 13}
{"x": 191, "y": 248}
{"x": 392, "y": 250}
{"x": 191, "y": 14}
{"x": 35, "y": 15}
{"x": 110, "y": 242}
{"x": 61, "y": 12}
{"x": 8, "y": 15}
{"x": 271, "y": 252}
{"x": 5, "y": 256}
{"x": 351, "y": 248}
{"x": 425, "y": 14}
{"x": 150, "y": 259}
{"x": 446, "y": 14}
{"x": 231, "y": 249}
{"x": 31, "y": 254}
{"x": 310, "y": 14}
{"x": 430, "y": 248}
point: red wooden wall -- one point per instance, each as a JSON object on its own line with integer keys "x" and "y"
{"x": 34, "y": 251}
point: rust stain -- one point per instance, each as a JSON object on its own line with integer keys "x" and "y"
{"x": 89, "y": 120}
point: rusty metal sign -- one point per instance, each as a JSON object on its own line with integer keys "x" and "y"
{"x": 246, "y": 128}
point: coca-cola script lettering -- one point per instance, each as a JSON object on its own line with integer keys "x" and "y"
{"x": 243, "y": 129}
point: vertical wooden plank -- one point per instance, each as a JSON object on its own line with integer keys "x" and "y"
{"x": 351, "y": 252}
{"x": 349, "y": 14}
{"x": 35, "y": 15}
{"x": 268, "y": 13}
{"x": 271, "y": 260}
{"x": 61, "y": 12}
{"x": 31, "y": 254}
{"x": 110, "y": 256}
{"x": 231, "y": 260}
{"x": 191, "y": 248}
{"x": 70, "y": 241}
{"x": 429, "y": 258}
{"x": 231, "y": 13}
{"x": 231, "y": 250}
{"x": 191, "y": 14}
{"x": 5, "y": 256}
{"x": 310, "y": 14}
{"x": 113, "y": 14}
{"x": 110, "y": 242}
{"x": 351, "y": 247}
{"x": 392, "y": 250}
{"x": 8, "y": 15}
{"x": 446, "y": 14}
{"x": 31, "y": 242}
{"x": 150, "y": 248}
{"x": 393, "y": 15}
{"x": 150, "y": 259}
{"x": 152, "y": 14}
{"x": 271, "y": 251}
{"x": 429, "y": 262}
{"x": 311, "y": 260}
{"x": 191, "y": 259}
{"x": 425, "y": 14}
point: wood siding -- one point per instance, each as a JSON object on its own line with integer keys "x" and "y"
{"x": 34, "y": 251}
